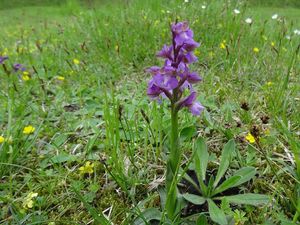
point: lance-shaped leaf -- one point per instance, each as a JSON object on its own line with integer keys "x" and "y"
{"x": 216, "y": 214}
{"x": 225, "y": 160}
{"x": 195, "y": 199}
{"x": 201, "y": 158}
{"x": 246, "y": 174}
{"x": 248, "y": 199}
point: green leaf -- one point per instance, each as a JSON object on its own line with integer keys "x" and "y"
{"x": 216, "y": 214}
{"x": 229, "y": 183}
{"x": 63, "y": 157}
{"x": 163, "y": 196}
{"x": 201, "y": 158}
{"x": 146, "y": 216}
{"x": 225, "y": 160}
{"x": 195, "y": 199}
{"x": 248, "y": 199}
{"x": 202, "y": 220}
{"x": 188, "y": 132}
{"x": 246, "y": 174}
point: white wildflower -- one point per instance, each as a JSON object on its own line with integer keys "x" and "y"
{"x": 236, "y": 11}
{"x": 275, "y": 17}
{"x": 248, "y": 20}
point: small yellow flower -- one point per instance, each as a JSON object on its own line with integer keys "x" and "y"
{"x": 222, "y": 45}
{"x": 60, "y": 78}
{"x": 28, "y": 129}
{"x": 250, "y": 138}
{"x": 28, "y": 202}
{"x": 87, "y": 168}
{"x": 269, "y": 83}
{"x": 25, "y": 76}
{"x": 2, "y": 139}
{"x": 76, "y": 61}
{"x": 256, "y": 50}
{"x": 273, "y": 44}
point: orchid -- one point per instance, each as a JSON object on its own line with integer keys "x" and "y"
{"x": 171, "y": 81}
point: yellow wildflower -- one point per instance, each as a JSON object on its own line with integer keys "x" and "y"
{"x": 60, "y": 78}
{"x": 28, "y": 202}
{"x": 2, "y": 139}
{"x": 250, "y": 138}
{"x": 256, "y": 50}
{"x": 87, "y": 168}
{"x": 28, "y": 129}
{"x": 222, "y": 45}
{"x": 269, "y": 83}
{"x": 25, "y": 76}
{"x": 273, "y": 44}
{"x": 76, "y": 61}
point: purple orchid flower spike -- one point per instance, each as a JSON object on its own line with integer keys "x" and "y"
{"x": 2, "y": 59}
{"x": 174, "y": 77}
{"x": 172, "y": 81}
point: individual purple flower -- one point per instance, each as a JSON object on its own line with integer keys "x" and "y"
{"x": 18, "y": 66}
{"x": 166, "y": 52}
{"x": 153, "y": 90}
{"x": 190, "y": 101}
{"x": 165, "y": 82}
{"x": 174, "y": 76}
{"x": 2, "y": 59}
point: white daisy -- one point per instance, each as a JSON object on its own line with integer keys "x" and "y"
{"x": 297, "y": 32}
{"x": 248, "y": 20}
{"x": 203, "y": 6}
{"x": 236, "y": 11}
{"x": 275, "y": 17}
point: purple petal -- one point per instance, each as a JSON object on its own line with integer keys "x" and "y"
{"x": 180, "y": 27}
{"x": 193, "y": 78}
{"x": 188, "y": 101}
{"x": 166, "y": 52}
{"x": 190, "y": 45}
{"x": 18, "y": 66}
{"x": 153, "y": 91}
{"x": 165, "y": 81}
{"x": 153, "y": 70}
{"x": 2, "y": 59}
{"x": 189, "y": 58}
{"x": 196, "y": 108}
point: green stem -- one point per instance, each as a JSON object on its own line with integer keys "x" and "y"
{"x": 174, "y": 151}
{"x": 172, "y": 165}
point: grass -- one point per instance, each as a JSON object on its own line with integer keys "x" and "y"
{"x": 99, "y": 112}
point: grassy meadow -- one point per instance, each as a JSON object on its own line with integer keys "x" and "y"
{"x": 80, "y": 139}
